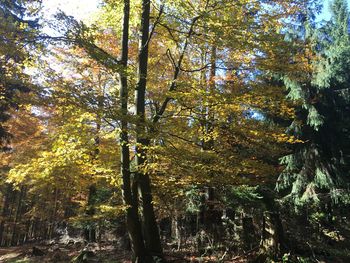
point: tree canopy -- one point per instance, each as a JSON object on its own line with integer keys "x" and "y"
{"x": 215, "y": 128}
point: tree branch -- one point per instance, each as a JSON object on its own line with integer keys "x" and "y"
{"x": 172, "y": 87}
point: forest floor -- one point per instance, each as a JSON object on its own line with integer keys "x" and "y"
{"x": 104, "y": 254}
{"x": 107, "y": 253}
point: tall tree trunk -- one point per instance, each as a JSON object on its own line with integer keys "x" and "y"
{"x": 53, "y": 214}
{"x": 90, "y": 230}
{"x": 27, "y": 232}
{"x": 17, "y": 215}
{"x": 209, "y": 117}
{"x": 206, "y": 213}
{"x": 175, "y": 227}
{"x": 132, "y": 219}
{"x": 150, "y": 228}
{"x": 5, "y": 211}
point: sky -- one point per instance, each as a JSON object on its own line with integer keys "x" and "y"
{"x": 325, "y": 13}
{"x": 81, "y": 9}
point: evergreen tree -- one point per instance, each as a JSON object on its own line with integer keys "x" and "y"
{"x": 17, "y": 34}
{"x": 318, "y": 169}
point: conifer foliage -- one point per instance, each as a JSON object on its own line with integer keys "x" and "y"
{"x": 17, "y": 29}
{"x": 318, "y": 168}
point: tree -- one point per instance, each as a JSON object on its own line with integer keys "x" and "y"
{"x": 185, "y": 97}
{"x": 18, "y": 33}
{"x": 317, "y": 170}
{"x": 26, "y": 128}
{"x": 132, "y": 219}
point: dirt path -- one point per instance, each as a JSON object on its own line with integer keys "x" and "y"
{"x": 58, "y": 254}
{"x": 106, "y": 254}
{"x": 12, "y": 254}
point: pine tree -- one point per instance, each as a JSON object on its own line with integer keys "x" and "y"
{"x": 17, "y": 33}
{"x": 318, "y": 169}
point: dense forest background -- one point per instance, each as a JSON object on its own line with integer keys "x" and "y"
{"x": 175, "y": 131}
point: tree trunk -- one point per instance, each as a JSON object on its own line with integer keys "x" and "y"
{"x": 53, "y": 214}
{"x": 209, "y": 116}
{"x": 90, "y": 230}
{"x": 27, "y": 232}
{"x": 201, "y": 223}
{"x": 272, "y": 240}
{"x": 248, "y": 232}
{"x": 17, "y": 215}
{"x": 5, "y": 211}
{"x": 206, "y": 213}
{"x": 150, "y": 228}
{"x": 132, "y": 219}
{"x": 175, "y": 226}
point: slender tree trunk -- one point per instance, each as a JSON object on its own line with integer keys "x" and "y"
{"x": 209, "y": 117}
{"x": 5, "y": 211}
{"x": 150, "y": 228}
{"x": 90, "y": 231}
{"x": 27, "y": 232}
{"x": 205, "y": 215}
{"x": 53, "y": 214}
{"x": 175, "y": 228}
{"x": 17, "y": 215}
{"x": 132, "y": 219}
{"x": 201, "y": 223}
